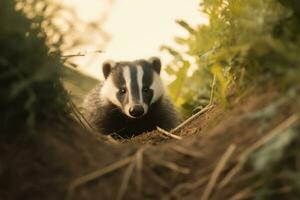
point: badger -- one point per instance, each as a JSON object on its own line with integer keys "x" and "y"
{"x": 131, "y": 100}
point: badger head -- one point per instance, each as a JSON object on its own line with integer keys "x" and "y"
{"x": 132, "y": 86}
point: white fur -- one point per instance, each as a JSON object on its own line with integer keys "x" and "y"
{"x": 109, "y": 91}
{"x": 126, "y": 75}
{"x": 140, "y": 74}
{"x": 157, "y": 87}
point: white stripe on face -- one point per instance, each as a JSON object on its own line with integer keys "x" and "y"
{"x": 126, "y": 75}
{"x": 157, "y": 87}
{"x": 140, "y": 74}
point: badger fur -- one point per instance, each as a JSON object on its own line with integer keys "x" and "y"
{"x": 131, "y": 100}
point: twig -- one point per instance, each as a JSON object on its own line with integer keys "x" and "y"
{"x": 274, "y": 132}
{"x": 111, "y": 140}
{"x": 139, "y": 166}
{"x": 211, "y": 98}
{"x": 138, "y": 163}
{"x": 247, "y": 192}
{"x": 76, "y": 113}
{"x": 97, "y": 174}
{"x": 172, "y": 166}
{"x": 168, "y": 133}
{"x": 217, "y": 171}
{"x": 187, "y": 187}
{"x": 243, "y": 156}
{"x": 125, "y": 181}
{"x": 212, "y": 90}
{"x": 86, "y": 125}
{"x": 80, "y": 117}
{"x": 80, "y": 54}
{"x": 73, "y": 55}
{"x": 191, "y": 118}
{"x": 184, "y": 151}
{"x": 231, "y": 174}
{"x": 244, "y": 194}
{"x": 160, "y": 180}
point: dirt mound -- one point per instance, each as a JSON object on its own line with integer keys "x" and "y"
{"x": 207, "y": 158}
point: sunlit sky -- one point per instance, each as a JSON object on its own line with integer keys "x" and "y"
{"x": 137, "y": 28}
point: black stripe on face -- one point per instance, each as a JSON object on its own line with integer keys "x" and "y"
{"x": 147, "y": 82}
{"x": 134, "y": 86}
{"x": 119, "y": 82}
{"x": 118, "y": 78}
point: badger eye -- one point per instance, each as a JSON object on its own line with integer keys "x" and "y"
{"x": 123, "y": 90}
{"x": 145, "y": 89}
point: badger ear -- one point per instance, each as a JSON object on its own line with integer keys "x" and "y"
{"x": 106, "y": 68}
{"x": 156, "y": 64}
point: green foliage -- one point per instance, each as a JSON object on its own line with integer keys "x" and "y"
{"x": 31, "y": 92}
{"x": 266, "y": 158}
{"x": 274, "y": 166}
{"x": 245, "y": 42}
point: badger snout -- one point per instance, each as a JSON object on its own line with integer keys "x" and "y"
{"x": 136, "y": 111}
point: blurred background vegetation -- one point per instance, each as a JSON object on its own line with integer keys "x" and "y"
{"x": 32, "y": 65}
{"x": 29, "y": 75}
{"x": 245, "y": 43}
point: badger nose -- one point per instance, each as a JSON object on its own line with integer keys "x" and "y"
{"x": 136, "y": 111}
